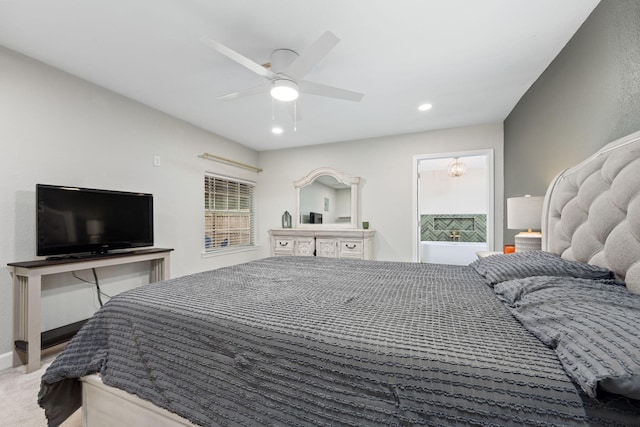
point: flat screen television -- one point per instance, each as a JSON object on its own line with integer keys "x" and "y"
{"x": 315, "y": 218}
{"x": 72, "y": 220}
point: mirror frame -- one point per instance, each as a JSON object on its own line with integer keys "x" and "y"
{"x": 352, "y": 181}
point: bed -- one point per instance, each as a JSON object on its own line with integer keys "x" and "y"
{"x": 529, "y": 339}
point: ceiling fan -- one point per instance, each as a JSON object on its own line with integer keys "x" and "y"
{"x": 286, "y": 70}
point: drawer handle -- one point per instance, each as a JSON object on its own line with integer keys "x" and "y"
{"x": 350, "y": 247}
{"x": 283, "y": 244}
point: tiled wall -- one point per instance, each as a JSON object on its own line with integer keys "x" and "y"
{"x": 438, "y": 227}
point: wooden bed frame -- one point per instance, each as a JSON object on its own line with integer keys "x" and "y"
{"x": 104, "y": 405}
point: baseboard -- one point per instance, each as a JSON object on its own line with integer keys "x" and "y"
{"x": 6, "y": 361}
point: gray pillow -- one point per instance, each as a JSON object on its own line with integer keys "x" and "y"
{"x": 501, "y": 267}
{"x": 591, "y": 325}
{"x": 512, "y": 291}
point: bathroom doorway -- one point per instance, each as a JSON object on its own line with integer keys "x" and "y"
{"x": 453, "y": 206}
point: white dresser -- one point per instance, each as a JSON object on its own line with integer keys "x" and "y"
{"x": 332, "y": 243}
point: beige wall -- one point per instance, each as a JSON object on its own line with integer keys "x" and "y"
{"x": 58, "y": 129}
{"x": 587, "y": 97}
{"x": 385, "y": 166}
{"x": 442, "y": 194}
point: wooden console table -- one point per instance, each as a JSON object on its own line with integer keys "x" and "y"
{"x": 27, "y": 284}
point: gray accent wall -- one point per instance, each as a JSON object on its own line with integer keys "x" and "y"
{"x": 587, "y": 97}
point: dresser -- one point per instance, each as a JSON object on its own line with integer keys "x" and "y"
{"x": 331, "y": 243}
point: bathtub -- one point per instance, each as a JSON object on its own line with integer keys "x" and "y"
{"x": 460, "y": 253}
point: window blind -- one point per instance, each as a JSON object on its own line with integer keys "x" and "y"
{"x": 229, "y": 213}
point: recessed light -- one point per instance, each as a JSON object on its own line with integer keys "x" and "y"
{"x": 425, "y": 107}
{"x": 277, "y": 130}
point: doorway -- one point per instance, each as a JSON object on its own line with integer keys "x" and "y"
{"x": 453, "y": 206}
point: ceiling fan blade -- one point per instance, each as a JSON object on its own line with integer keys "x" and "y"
{"x": 247, "y": 92}
{"x": 311, "y": 56}
{"x": 240, "y": 59}
{"x": 329, "y": 91}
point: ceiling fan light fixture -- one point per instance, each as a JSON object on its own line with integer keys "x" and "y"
{"x": 284, "y": 90}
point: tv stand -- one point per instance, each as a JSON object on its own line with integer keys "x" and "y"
{"x": 27, "y": 284}
{"x": 87, "y": 255}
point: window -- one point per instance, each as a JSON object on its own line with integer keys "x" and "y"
{"x": 229, "y": 214}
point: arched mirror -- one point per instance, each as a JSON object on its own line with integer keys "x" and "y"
{"x": 327, "y": 198}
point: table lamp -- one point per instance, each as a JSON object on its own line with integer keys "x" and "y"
{"x": 525, "y": 213}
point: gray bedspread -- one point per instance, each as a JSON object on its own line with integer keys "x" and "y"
{"x": 316, "y": 341}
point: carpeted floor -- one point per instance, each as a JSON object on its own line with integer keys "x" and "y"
{"x": 19, "y": 395}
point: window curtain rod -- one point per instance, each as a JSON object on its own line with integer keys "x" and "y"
{"x": 229, "y": 162}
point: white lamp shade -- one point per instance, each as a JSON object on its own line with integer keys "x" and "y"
{"x": 524, "y": 213}
{"x": 284, "y": 90}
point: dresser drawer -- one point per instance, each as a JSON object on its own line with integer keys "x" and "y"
{"x": 352, "y": 248}
{"x": 321, "y": 242}
{"x": 304, "y": 246}
{"x": 283, "y": 246}
{"x": 327, "y": 248}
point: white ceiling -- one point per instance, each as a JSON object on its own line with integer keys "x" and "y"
{"x": 471, "y": 59}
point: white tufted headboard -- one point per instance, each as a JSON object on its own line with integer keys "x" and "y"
{"x": 592, "y": 211}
